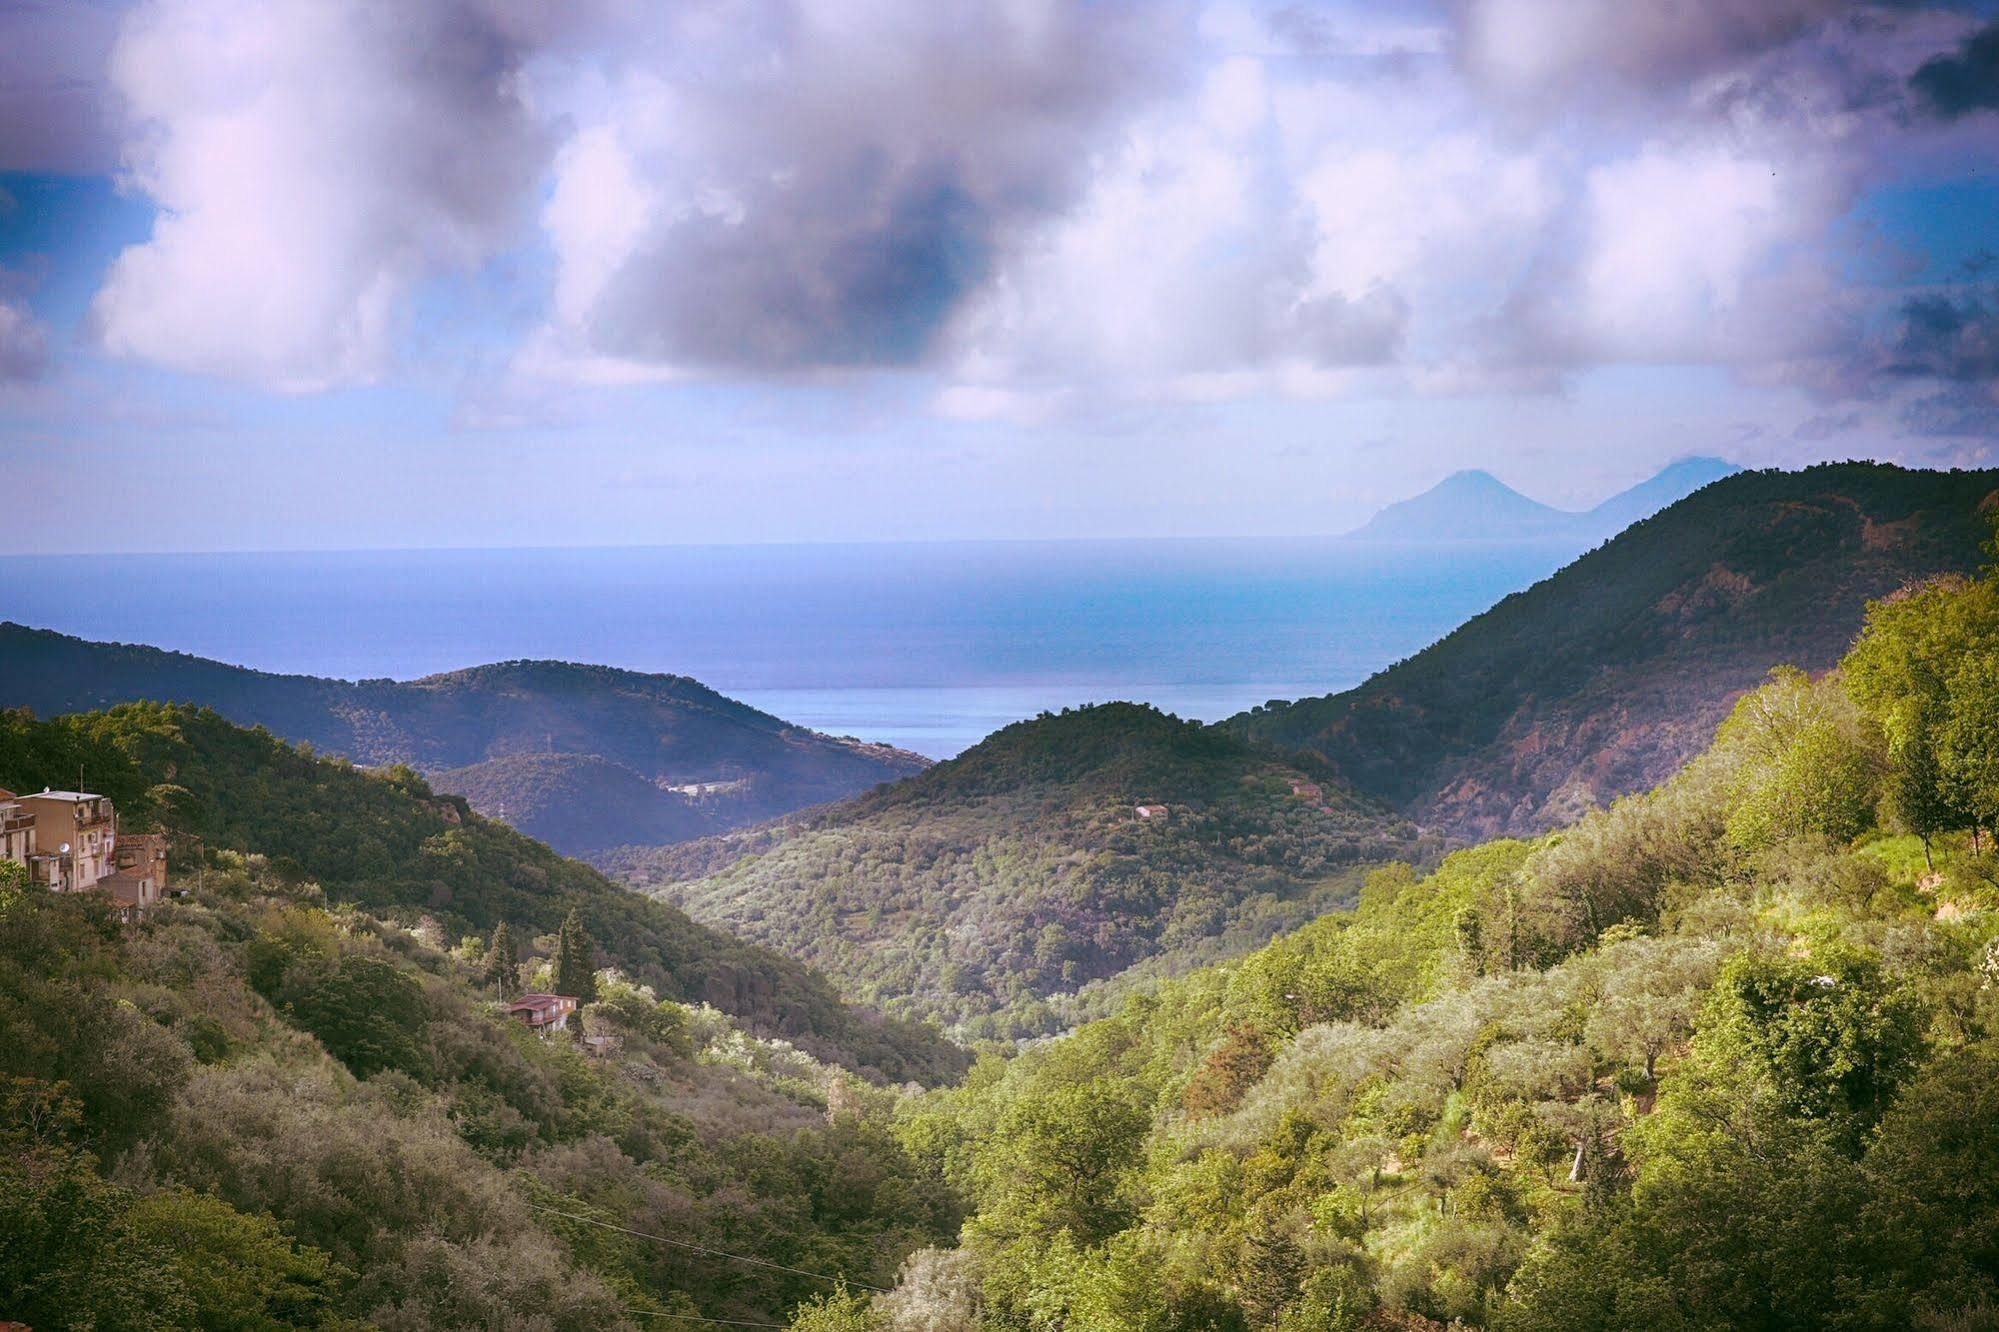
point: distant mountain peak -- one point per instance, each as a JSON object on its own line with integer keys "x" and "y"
{"x": 1471, "y": 505}
{"x": 1474, "y": 505}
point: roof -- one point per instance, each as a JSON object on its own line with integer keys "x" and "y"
{"x": 541, "y": 1001}
{"x": 74, "y": 797}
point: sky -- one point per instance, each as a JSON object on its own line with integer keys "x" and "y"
{"x": 301, "y": 274}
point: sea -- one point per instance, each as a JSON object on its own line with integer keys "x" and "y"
{"x": 927, "y": 646}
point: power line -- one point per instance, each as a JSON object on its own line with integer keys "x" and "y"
{"x": 702, "y": 1248}
{"x": 697, "y": 1318}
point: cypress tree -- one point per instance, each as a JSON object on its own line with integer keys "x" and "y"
{"x": 575, "y": 961}
{"x": 503, "y": 962}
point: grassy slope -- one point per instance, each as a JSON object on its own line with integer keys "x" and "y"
{"x": 1020, "y": 870}
{"x": 1601, "y": 680}
{"x": 386, "y": 843}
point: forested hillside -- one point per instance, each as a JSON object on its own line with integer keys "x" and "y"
{"x": 258, "y": 1110}
{"x": 386, "y": 843}
{"x": 1024, "y": 870}
{"x": 1725, "y": 1055}
{"x": 1601, "y": 680}
{"x": 497, "y": 730}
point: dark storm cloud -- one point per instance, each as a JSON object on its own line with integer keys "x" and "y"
{"x": 1554, "y": 50}
{"x": 1961, "y": 411}
{"x": 1949, "y": 337}
{"x": 850, "y": 267}
{"x": 1964, "y": 81}
{"x": 855, "y": 184}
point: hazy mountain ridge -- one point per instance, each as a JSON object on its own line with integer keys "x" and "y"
{"x": 661, "y": 730}
{"x": 1600, "y": 680}
{"x": 1024, "y": 869}
{"x": 1477, "y": 506}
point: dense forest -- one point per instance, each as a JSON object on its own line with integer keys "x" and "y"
{"x": 1601, "y": 680}
{"x": 1000, "y": 891}
{"x": 1723, "y": 1055}
{"x": 581, "y": 757}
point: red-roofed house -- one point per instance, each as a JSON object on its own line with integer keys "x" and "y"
{"x": 543, "y": 1013}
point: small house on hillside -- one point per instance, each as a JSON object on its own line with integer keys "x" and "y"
{"x": 543, "y": 1013}
{"x": 1306, "y": 790}
{"x": 1152, "y": 811}
{"x": 139, "y": 872}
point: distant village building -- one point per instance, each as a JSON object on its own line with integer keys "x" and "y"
{"x": 139, "y": 875}
{"x": 1306, "y": 790}
{"x": 17, "y": 831}
{"x": 75, "y": 837}
{"x": 70, "y": 844}
{"x": 543, "y": 1013}
{"x": 1152, "y": 811}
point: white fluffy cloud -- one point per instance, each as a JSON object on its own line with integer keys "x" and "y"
{"x": 313, "y": 161}
{"x": 1037, "y": 200}
{"x": 785, "y": 185}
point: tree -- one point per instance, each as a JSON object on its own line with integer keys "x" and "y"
{"x": 241, "y": 1272}
{"x": 364, "y": 1010}
{"x": 1804, "y": 764}
{"x": 1926, "y": 668}
{"x": 1217, "y": 1087}
{"x": 1271, "y": 1271}
{"x": 503, "y": 962}
{"x": 1061, "y": 1158}
{"x": 575, "y": 961}
{"x": 1831, "y": 1036}
{"x": 840, "y": 1311}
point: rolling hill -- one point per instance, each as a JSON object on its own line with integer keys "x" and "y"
{"x": 387, "y": 843}
{"x": 513, "y": 736}
{"x": 1602, "y": 679}
{"x": 1025, "y": 869}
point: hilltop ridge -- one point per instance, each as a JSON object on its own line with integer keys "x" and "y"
{"x": 1603, "y": 678}
{"x": 1057, "y": 855}
{"x": 646, "y": 734}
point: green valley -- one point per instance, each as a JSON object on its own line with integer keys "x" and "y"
{"x": 1061, "y": 852}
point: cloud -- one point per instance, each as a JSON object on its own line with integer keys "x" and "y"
{"x": 1047, "y": 205}
{"x": 53, "y": 103}
{"x": 1546, "y": 49}
{"x": 1953, "y": 337}
{"x": 1962, "y": 82}
{"x": 1961, "y": 411}
{"x": 313, "y": 162}
{"x": 1825, "y": 425}
{"x": 24, "y": 351}
{"x": 770, "y": 186}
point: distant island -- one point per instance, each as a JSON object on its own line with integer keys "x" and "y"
{"x": 1478, "y": 506}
